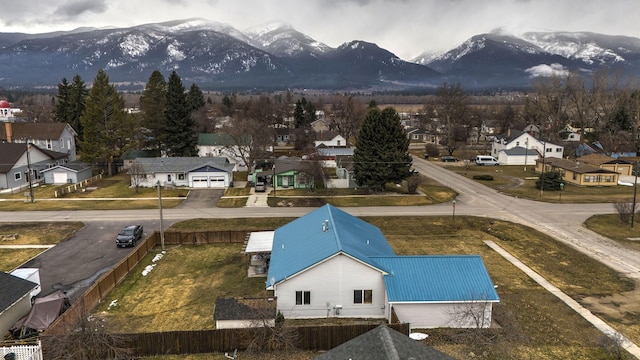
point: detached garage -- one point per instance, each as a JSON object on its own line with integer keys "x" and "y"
{"x": 70, "y": 173}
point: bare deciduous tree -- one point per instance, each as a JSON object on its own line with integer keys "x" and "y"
{"x": 625, "y": 210}
{"x": 87, "y": 341}
{"x": 136, "y": 172}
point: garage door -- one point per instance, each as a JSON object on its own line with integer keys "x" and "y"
{"x": 59, "y": 178}
{"x": 200, "y": 182}
{"x": 217, "y": 181}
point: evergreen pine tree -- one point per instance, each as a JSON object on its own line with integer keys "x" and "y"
{"x": 153, "y": 103}
{"x": 62, "y": 108}
{"x": 382, "y": 150}
{"x": 179, "y": 126}
{"x": 106, "y": 127}
{"x": 77, "y": 96}
{"x": 195, "y": 98}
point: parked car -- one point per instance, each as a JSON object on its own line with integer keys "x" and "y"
{"x": 129, "y": 236}
{"x": 260, "y": 186}
{"x": 486, "y": 160}
{"x": 448, "y": 158}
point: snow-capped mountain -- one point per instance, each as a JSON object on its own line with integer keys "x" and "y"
{"x": 282, "y": 39}
{"x": 217, "y": 56}
{"x": 501, "y": 59}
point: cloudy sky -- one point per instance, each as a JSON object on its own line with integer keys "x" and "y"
{"x": 405, "y": 27}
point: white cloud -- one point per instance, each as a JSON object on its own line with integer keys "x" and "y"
{"x": 544, "y": 70}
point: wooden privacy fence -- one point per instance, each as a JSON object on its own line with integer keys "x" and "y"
{"x": 313, "y": 338}
{"x": 105, "y": 284}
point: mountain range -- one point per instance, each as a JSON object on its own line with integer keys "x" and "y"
{"x": 277, "y": 57}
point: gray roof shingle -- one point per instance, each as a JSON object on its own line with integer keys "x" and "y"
{"x": 13, "y": 289}
{"x": 383, "y": 343}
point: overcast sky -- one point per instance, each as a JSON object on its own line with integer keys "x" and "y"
{"x": 405, "y": 27}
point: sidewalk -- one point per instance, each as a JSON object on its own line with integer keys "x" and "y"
{"x": 624, "y": 342}
{"x": 258, "y": 199}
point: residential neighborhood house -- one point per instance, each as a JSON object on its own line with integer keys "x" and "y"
{"x": 58, "y": 137}
{"x": 192, "y": 172}
{"x": 513, "y": 139}
{"x": 621, "y": 166}
{"x": 222, "y": 145}
{"x": 18, "y": 160}
{"x": 577, "y": 173}
{"x": 329, "y": 263}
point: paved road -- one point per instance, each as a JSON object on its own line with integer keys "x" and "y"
{"x": 562, "y": 221}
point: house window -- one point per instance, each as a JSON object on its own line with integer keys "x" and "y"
{"x": 303, "y": 297}
{"x": 558, "y": 149}
{"x": 180, "y": 176}
{"x": 61, "y": 142}
{"x": 338, "y": 142}
{"x": 362, "y": 296}
{"x": 49, "y": 144}
{"x": 548, "y": 150}
{"x": 168, "y": 177}
{"x": 17, "y": 176}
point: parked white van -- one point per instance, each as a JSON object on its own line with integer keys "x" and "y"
{"x": 486, "y": 160}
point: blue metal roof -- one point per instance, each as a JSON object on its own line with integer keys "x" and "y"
{"x": 438, "y": 278}
{"x": 319, "y": 235}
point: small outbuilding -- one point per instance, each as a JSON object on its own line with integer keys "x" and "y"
{"x": 70, "y": 173}
{"x": 15, "y": 299}
{"x": 235, "y": 313}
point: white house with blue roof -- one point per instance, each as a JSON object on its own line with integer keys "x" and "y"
{"x": 329, "y": 263}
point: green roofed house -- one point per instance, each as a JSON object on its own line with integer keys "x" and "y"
{"x": 329, "y": 263}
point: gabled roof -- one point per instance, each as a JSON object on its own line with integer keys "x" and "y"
{"x": 244, "y": 309}
{"x": 74, "y": 166}
{"x": 519, "y": 150}
{"x": 10, "y": 153}
{"x": 437, "y": 278}
{"x": 598, "y": 159}
{"x": 13, "y": 289}
{"x": 576, "y": 167}
{"x": 183, "y": 164}
{"x": 290, "y": 163}
{"x": 383, "y": 343}
{"x": 26, "y": 131}
{"x": 319, "y": 235}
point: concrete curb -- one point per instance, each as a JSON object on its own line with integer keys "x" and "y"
{"x": 627, "y": 344}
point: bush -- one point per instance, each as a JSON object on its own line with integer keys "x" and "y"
{"x": 483, "y": 177}
{"x": 432, "y": 150}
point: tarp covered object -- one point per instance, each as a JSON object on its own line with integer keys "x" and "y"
{"x": 45, "y": 310}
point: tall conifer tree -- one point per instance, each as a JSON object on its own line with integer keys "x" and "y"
{"x": 106, "y": 126}
{"x": 382, "y": 150}
{"x": 153, "y": 103}
{"x": 179, "y": 126}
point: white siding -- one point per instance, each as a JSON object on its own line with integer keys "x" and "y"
{"x": 332, "y": 283}
{"x": 435, "y": 315}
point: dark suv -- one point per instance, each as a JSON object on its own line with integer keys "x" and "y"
{"x": 129, "y": 236}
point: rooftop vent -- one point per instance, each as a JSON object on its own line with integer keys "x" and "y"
{"x": 325, "y": 226}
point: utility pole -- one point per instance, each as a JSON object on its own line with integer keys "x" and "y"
{"x": 29, "y": 172}
{"x": 635, "y": 192}
{"x": 161, "y": 225}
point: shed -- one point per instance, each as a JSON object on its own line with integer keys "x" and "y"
{"x": 71, "y": 172}
{"x": 234, "y": 313}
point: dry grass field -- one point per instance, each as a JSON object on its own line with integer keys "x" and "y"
{"x": 531, "y": 323}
